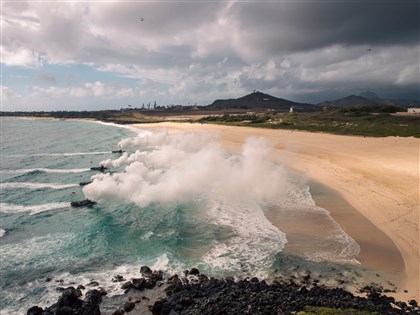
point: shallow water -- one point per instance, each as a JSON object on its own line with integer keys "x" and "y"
{"x": 171, "y": 202}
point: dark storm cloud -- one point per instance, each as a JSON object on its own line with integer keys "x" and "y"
{"x": 154, "y": 20}
{"x": 299, "y": 26}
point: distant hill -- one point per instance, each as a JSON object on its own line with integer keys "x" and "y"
{"x": 370, "y": 95}
{"x": 259, "y": 100}
{"x": 373, "y": 99}
{"x": 349, "y": 101}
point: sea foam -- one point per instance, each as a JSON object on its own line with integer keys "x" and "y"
{"x": 31, "y": 185}
{"x": 33, "y": 209}
{"x": 59, "y": 154}
{"x": 254, "y": 241}
{"x": 45, "y": 170}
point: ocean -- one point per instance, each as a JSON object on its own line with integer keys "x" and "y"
{"x": 171, "y": 202}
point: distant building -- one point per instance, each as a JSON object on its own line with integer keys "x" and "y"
{"x": 414, "y": 110}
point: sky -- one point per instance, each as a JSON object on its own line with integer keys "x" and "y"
{"x": 93, "y": 55}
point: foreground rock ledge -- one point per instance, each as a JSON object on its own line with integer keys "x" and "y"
{"x": 195, "y": 293}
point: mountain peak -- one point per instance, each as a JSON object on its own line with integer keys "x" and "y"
{"x": 260, "y": 100}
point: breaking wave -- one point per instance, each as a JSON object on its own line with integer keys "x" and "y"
{"x": 59, "y": 154}
{"x": 30, "y": 185}
{"x": 46, "y": 170}
{"x": 32, "y": 209}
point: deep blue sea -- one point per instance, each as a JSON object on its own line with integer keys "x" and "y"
{"x": 169, "y": 201}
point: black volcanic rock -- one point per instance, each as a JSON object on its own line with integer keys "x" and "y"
{"x": 259, "y": 100}
{"x": 35, "y": 310}
{"x": 99, "y": 168}
{"x": 138, "y": 283}
{"x": 145, "y": 270}
{"x": 129, "y": 306}
{"x": 85, "y": 183}
{"x": 70, "y": 303}
{"x": 223, "y": 296}
{"x": 203, "y": 295}
{"x": 91, "y": 303}
{"x": 82, "y": 203}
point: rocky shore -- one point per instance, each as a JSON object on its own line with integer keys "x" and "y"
{"x": 195, "y": 293}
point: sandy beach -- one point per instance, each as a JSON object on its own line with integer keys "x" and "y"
{"x": 374, "y": 184}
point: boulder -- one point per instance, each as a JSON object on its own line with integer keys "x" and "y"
{"x": 70, "y": 298}
{"x": 126, "y": 285}
{"x": 91, "y": 303}
{"x": 83, "y": 203}
{"x": 35, "y": 310}
{"x": 144, "y": 270}
{"x": 139, "y": 284}
{"x": 129, "y": 306}
{"x": 118, "y": 278}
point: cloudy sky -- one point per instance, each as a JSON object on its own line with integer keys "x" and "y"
{"x": 108, "y": 54}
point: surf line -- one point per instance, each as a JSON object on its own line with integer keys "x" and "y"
{"x": 59, "y": 154}
{"x": 46, "y": 170}
{"x": 31, "y": 185}
{"x": 32, "y": 209}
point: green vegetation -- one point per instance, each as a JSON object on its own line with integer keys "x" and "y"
{"x": 366, "y": 109}
{"x": 311, "y": 310}
{"x": 133, "y": 119}
{"x": 247, "y": 118}
{"x": 375, "y": 121}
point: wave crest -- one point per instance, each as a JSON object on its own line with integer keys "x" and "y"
{"x": 31, "y": 185}
{"x": 32, "y": 209}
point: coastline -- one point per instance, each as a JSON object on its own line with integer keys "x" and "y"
{"x": 377, "y": 177}
{"x": 372, "y": 241}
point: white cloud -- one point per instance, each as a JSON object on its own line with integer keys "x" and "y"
{"x": 78, "y": 92}
{"x": 49, "y": 91}
{"x": 355, "y": 64}
{"x": 96, "y": 89}
{"x": 157, "y": 74}
{"x": 7, "y": 94}
{"x": 20, "y": 56}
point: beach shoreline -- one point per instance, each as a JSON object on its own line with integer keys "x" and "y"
{"x": 377, "y": 177}
{"x": 372, "y": 241}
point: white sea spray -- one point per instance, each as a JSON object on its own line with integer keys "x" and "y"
{"x": 175, "y": 168}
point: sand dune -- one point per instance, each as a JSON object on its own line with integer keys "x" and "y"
{"x": 379, "y": 177}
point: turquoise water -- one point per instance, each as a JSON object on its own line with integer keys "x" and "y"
{"x": 170, "y": 201}
{"x": 42, "y": 163}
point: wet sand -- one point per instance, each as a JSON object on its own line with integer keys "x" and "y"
{"x": 376, "y": 185}
{"x": 377, "y": 250}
